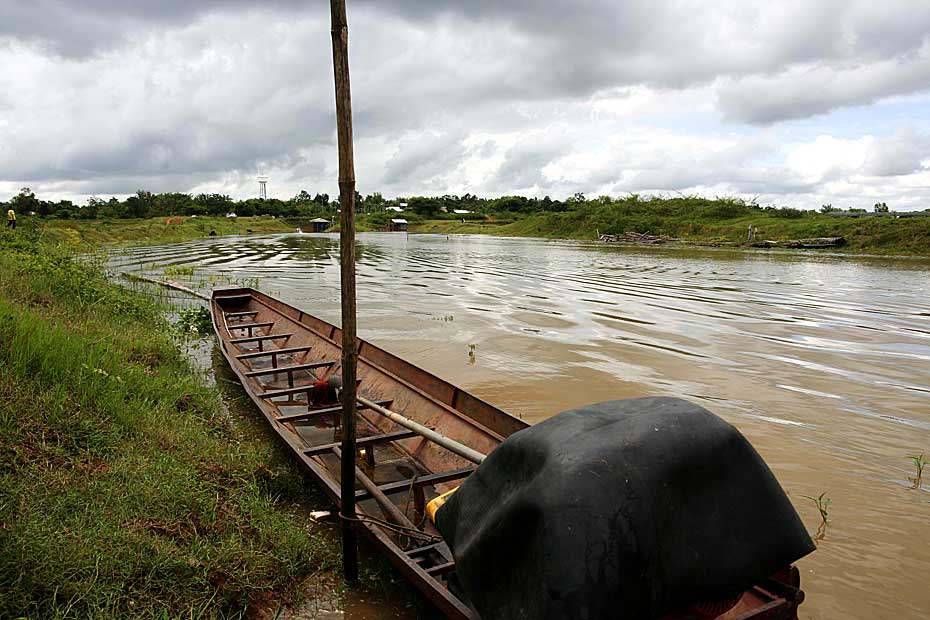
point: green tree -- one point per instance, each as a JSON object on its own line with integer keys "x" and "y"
{"x": 422, "y": 206}
{"x": 111, "y": 209}
{"x": 373, "y": 203}
{"x": 302, "y": 198}
{"x": 140, "y": 205}
{"x": 881, "y": 207}
{"x": 576, "y": 199}
{"x": 173, "y": 203}
{"x": 212, "y": 204}
{"x": 26, "y": 202}
{"x": 65, "y": 209}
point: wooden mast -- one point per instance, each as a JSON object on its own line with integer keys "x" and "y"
{"x": 340, "y": 33}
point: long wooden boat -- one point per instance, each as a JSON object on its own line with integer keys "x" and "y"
{"x": 284, "y": 358}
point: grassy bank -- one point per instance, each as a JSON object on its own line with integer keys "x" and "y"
{"x": 90, "y": 233}
{"x": 703, "y": 221}
{"x": 693, "y": 220}
{"x": 124, "y": 491}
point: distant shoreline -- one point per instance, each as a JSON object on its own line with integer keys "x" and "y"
{"x": 878, "y": 236}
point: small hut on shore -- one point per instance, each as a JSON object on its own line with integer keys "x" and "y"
{"x": 398, "y": 225}
{"x": 319, "y": 224}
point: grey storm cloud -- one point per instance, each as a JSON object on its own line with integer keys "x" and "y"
{"x": 765, "y": 99}
{"x": 174, "y": 94}
{"x": 78, "y": 28}
{"x": 524, "y": 162}
{"x": 424, "y": 156}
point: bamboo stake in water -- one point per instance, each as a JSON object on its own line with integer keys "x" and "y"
{"x": 340, "y": 32}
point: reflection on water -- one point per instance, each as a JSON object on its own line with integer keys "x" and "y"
{"x": 821, "y": 361}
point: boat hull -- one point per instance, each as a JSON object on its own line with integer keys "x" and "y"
{"x": 279, "y": 352}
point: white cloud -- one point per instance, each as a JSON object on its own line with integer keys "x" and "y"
{"x": 548, "y": 97}
{"x": 904, "y": 153}
{"x": 827, "y": 158}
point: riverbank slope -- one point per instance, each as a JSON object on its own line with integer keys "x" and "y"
{"x": 91, "y": 233}
{"x": 124, "y": 489}
{"x": 717, "y": 222}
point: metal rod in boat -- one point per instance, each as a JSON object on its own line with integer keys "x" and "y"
{"x": 449, "y": 444}
{"x": 390, "y": 510}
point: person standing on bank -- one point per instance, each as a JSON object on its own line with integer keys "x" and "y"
{"x": 11, "y": 219}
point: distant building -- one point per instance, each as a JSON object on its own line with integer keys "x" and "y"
{"x": 460, "y": 211}
{"x": 395, "y": 209}
{"x": 398, "y": 225}
{"x": 319, "y": 224}
{"x": 230, "y": 215}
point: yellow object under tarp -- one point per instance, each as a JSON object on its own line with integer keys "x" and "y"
{"x": 437, "y": 502}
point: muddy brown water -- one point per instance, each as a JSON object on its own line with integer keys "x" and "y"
{"x": 822, "y": 361}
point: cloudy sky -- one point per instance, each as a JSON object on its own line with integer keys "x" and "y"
{"x": 798, "y": 103}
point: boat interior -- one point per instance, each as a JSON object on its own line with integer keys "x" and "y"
{"x": 289, "y": 361}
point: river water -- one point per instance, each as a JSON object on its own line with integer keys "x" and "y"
{"x": 822, "y": 361}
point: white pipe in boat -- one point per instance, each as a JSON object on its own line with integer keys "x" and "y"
{"x": 449, "y": 444}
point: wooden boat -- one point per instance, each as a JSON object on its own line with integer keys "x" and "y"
{"x": 283, "y": 357}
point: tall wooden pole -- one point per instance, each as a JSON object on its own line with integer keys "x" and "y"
{"x": 340, "y": 31}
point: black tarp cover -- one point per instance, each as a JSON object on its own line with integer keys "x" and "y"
{"x": 623, "y": 509}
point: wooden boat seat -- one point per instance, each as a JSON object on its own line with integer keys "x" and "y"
{"x": 259, "y": 339}
{"x": 249, "y": 326}
{"x": 298, "y": 389}
{"x": 274, "y": 353}
{"x": 238, "y": 315}
{"x": 402, "y": 486}
{"x": 288, "y": 369}
{"x": 361, "y": 442}
{"x": 300, "y": 417}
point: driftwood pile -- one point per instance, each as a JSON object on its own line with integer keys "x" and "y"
{"x": 635, "y": 237}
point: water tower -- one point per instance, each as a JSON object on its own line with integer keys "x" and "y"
{"x": 262, "y": 185}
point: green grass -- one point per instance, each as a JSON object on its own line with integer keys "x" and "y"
{"x": 125, "y": 491}
{"x": 691, "y": 218}
{"x": 702, "y": 221}
{"x": 85, "y": 233}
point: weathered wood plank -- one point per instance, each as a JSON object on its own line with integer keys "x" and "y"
{"x": 371, "y": 440}
{"x": 259, "y": 338}
{"x": 249, "y": 356}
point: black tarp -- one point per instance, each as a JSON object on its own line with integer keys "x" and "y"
{"x": 623, "y": 509}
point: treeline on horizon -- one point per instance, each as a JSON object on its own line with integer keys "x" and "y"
{"x": 145, "y": 204}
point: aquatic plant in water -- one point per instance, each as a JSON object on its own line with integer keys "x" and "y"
{"x": 179, "y": 271}
{"x": 195, "y": 320}
{"x": 919, "y": 463}
{"x": 822, "y": 504}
